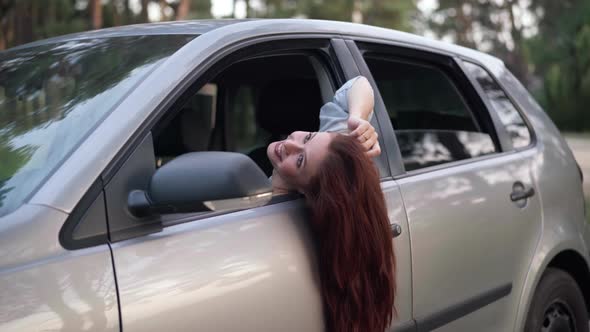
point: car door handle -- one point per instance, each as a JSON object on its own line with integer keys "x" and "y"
{"x": 520, "y": 192}
{"x": 396, "y": 230}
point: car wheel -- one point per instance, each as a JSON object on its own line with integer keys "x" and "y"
{"x": 558, "y": 305}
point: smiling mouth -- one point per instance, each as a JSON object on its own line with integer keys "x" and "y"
{"x": 278, "y": 150}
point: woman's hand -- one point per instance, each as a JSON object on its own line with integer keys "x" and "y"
{"x": 364, "y": 132}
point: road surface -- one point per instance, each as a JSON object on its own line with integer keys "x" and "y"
{"x": 580, "y": 145}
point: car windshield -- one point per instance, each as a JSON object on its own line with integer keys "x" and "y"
{"x": 53, "y": 95}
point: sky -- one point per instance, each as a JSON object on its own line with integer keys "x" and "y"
{"x": 221, "y": 8}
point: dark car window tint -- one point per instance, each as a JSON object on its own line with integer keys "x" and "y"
{"x": 243, "y": 133}
{"x": 512, "y": 120}
{"x": 51, "y": 96}
{"x": 432, "y": 122}
{"x": 190, "y": 129}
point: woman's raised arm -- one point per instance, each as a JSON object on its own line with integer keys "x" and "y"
{"x": 361, "y": 99}
{"x": 361, "y": 102}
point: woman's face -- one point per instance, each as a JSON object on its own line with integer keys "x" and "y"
{"x": 297, "y": 158}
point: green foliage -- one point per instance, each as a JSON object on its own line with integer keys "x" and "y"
{"x": 391, "y": 14}
{"x": 561, "y": 58}
{"x": 337, "y": 10}
{"x": 200, "y": 9}
{"x": 554, "y": 62}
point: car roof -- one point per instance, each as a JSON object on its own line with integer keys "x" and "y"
{"x": 259, "y": 26}
{"x": 194, "y": 27}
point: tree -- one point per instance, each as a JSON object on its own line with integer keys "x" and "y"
{"x": 183, "y": 9}
{"x": 200, "y": 9}
{"x": 22, "y": 21}
{"x": 390, "y": 14}
{"x": 560, "y": 54}
{"x": 337, "y": 10}
{"x": 144, "y": 11}
{"x": 484, "y": 25}
{"x": 95, "y": 8}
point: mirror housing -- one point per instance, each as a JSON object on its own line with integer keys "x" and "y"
{"x": 203, "y": 181}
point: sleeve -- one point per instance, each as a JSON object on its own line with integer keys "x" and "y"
{"x": 334, "y": 115}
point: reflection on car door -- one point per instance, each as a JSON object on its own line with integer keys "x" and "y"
{"x": 251, "y": 270}
{"x": 470, "y": 243}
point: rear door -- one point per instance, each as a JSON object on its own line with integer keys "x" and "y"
{"x": 470, "y": 241}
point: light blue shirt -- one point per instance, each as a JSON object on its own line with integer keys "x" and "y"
{"x": 334, "y": 114}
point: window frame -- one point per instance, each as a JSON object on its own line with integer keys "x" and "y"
{"x": 450, "y": 66}
{"x": 207, "y": 70}
{"x": 501, "y": 128}
{"x": 204, "y": 73}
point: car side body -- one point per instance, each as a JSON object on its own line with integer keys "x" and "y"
{"x": 254, "y": 269}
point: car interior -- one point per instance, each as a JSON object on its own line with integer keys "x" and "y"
{"x": 248, "y": 105}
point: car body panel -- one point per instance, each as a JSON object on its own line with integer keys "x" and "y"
{"x": 258, "y": 265}
{"x": 245, "y": 271}
{"x": 559, "y": 187}
{"x": 143, "y": 29}
{"x": 397, "y": 215}
{"x": 45, "y": 287}
{"x": 469, "y": 238}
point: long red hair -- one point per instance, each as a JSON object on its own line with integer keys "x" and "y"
{"x": 353, "y": 235}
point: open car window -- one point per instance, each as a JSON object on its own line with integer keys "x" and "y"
{"x": 245, "y": 107}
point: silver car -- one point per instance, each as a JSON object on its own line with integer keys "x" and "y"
{"x": 134, "y": 192}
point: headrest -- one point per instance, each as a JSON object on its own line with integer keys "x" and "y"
{"x": 189, "y": 131}
{"x": 195, "y": 128}
{"x": 290, "y": 105}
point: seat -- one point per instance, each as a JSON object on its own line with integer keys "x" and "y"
{"x": 188, "y": 131}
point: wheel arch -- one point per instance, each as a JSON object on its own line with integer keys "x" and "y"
{"x": 575, "y": 265}
{"x": 565, "y": 255}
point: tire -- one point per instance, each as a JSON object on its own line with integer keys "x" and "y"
{"x": 558, "y": 305}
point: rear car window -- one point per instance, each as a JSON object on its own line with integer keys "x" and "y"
{"x": 53, "y": 95}
{"x": 432, "y": 122}
{"x": 502, "y": 105}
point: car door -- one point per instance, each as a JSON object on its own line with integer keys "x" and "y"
{"x": 247, "y": 270}
{"x": 473, "y": 217}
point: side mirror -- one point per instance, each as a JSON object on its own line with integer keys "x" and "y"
{"x": 203, "y": 181}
